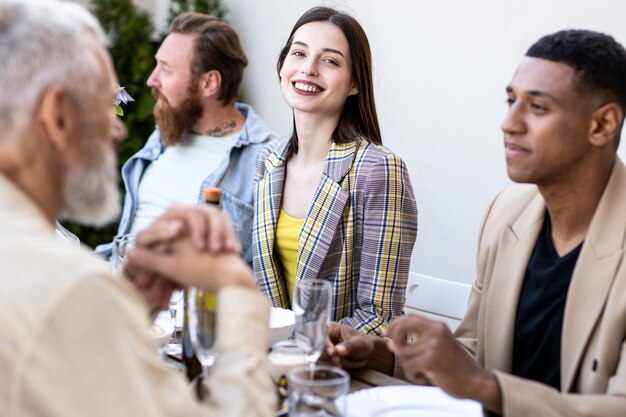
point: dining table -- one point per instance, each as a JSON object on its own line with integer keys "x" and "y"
{"x": 359, "y": 378}
{"x": 376, "y": 390}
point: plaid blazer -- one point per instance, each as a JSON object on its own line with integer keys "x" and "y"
{"x": 359, "y": 232}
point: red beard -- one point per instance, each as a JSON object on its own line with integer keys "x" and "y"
{"x": 174, "y": 122}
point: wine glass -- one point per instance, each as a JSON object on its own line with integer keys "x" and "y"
{"x": 311, "y": 306}
{"x": 202, "y": 325}
{"x": 174, "y": 346}
{"x": 64, "y": 234}
{"x": 118, "y": 253}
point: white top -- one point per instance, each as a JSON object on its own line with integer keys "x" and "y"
{"x": 176, "y": 176}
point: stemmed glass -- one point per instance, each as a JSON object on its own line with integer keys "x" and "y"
{"x": 118, "y": 253}
{"x": 311, "y": 306}
{"x": 202, "y": 325}
{"x": 174, "y": 346}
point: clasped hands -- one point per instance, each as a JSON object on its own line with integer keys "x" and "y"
{"x": 432, "y": 356}
{"x": 188, "y": 246}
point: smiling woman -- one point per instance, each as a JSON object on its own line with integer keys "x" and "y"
{"x": 331, "y": 201}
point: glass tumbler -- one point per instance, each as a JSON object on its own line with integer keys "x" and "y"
{"x": 319, "y": 392}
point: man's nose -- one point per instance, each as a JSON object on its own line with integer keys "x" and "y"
{"x": 513, "y": 121}
{"x": 153, "y": 79}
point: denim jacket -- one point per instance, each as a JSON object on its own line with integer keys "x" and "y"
{"x": 235, "y": 175}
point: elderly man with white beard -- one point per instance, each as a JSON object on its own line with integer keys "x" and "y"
{"x": 74, "y": 339}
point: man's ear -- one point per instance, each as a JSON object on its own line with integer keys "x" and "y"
{"x": 210, "y": 83}
{"x": 606, "y": 121}
{"x": 52, "y": 116}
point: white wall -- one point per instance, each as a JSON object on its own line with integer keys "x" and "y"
{"x": 440, "y": 72}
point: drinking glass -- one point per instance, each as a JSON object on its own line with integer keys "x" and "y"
{"x": 311, "y": 306}
{"x": 284, "y": 356}
{"x": 174, "y": 346}
{"x": 64, "y": 234}
{"x": 118, "y": 253}
{"x": 321, "y": 393}
{"x": 202, "y": 325}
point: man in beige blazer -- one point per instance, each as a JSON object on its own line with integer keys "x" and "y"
{"x": 74, "y": 339}
{"x": 546, "y": 322}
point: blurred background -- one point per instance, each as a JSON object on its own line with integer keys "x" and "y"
{"x": 440, "y": 69}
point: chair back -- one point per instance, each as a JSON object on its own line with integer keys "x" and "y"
{"x": 437, "y": 298}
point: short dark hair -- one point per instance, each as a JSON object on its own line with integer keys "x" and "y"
{"x": 216, "y": 47}
{"x": 598, "y": 60}
{"x": 358, "y": 118}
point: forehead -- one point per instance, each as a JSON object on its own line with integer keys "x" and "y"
{"x": 176, "y": 49}
{"x": 322, "y": 35}
{"x": 542, "y": 75}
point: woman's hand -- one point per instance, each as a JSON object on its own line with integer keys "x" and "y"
{"x": 347, "y": 347}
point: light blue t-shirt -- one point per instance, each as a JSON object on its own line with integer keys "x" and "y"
{"x": 175, "y": 177}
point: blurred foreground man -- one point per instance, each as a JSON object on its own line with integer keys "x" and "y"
{"x": 204, "y": 138}
{"x": 546, "y": 324}
{"x": 75, "y": 340}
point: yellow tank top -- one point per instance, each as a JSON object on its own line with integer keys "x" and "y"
{"x": 288, "y": 230}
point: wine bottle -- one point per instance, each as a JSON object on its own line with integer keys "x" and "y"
{"x": 206, "y": 301}
{"x": 193, "y": 367}
{"x": 212, "y": 196}
{"x": 205, "y": 304}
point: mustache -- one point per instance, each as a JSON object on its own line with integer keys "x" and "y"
{"x": 156, "y": 93}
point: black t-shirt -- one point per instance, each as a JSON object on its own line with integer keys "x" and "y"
{"x": 539, "y": 320}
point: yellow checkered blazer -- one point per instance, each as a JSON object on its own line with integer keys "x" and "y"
{"x": 359, "y": 232}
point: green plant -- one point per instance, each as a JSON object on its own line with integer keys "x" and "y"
{"x": 214, "y": 7}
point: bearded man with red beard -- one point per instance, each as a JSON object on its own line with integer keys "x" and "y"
{"x": 204, "y": 138}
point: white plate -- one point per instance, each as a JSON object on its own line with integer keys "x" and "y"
{"x": 398, "y": 400}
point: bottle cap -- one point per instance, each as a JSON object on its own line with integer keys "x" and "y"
{"x": 212, "y": 195}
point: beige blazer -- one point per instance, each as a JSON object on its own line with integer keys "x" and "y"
{"x": 593, "y": 350}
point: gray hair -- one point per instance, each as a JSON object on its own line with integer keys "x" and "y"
{"x": 45, "y": 43}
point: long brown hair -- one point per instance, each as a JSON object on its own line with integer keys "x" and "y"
{"x": 358, "y": 117}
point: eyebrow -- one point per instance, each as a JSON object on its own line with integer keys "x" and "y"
{"x": 323, "y": 49}
{"x": 534, "y": 93}
{"x": 161, "y": 60}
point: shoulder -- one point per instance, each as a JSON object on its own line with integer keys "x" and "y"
{"x": 373, "y": 159}
{"x": 272, "y": 150}
{"x": 512, "y": 201}
{"x": 515, "y": 207}
{"x": 377, "y": 154}
{"x": 257, "y": 129}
